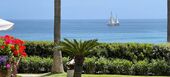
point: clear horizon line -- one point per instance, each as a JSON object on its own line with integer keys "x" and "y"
{"x": 96, "y": 19}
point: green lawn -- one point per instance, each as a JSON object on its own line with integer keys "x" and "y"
{"x": 89, "y": 75}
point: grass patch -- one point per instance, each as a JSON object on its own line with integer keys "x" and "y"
{"x": 99, "y": 75}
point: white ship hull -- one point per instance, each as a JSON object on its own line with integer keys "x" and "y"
{"x": 112, "y": 21}
{"x": 113, "y": 24}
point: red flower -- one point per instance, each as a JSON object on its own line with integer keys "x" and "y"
{"x": 16, "y": 53}
{"x": 18, "y": 42}
{"x": 12, "y": 47}
{"x": 8, "y": 41}
{"x": 22, "y": 47}
{"x": 16, "y": 45}
{"x": 8, "y": 37}
{"x": 23, "y": 54}
{"x": 2, "y": 47}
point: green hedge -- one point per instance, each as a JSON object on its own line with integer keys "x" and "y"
{"x": 132, "y": 51}
{"x": 129, "y": 51}
{"x": 159, "y": 67}
{"x": 35, "y": 65}
{"x": 39, "y": 48}
{"x": 100, "y": 66}
{"x": 141, "y": 67}
{"x": 112, "y": 58}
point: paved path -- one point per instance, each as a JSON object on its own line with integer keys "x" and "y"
{"x": 32, "y": 75}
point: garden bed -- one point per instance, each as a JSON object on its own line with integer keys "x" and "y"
{"x": 107, "y": 58}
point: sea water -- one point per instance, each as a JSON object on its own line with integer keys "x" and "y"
{"x": 129, "y": 30}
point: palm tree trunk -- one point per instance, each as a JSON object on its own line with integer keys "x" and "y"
{"x": 57, "y": 66}
{"x": 78, "y": 68}
{"x": 168, "y": 27}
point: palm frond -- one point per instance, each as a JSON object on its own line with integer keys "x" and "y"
{"x": 78, "y": 47}
{"x": 67, "y": 46}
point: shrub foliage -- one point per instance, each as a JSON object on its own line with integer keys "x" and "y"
{"x": 108, "y": 58}
{"x": 35, "y": 64}
{"x": 129, "y": 51}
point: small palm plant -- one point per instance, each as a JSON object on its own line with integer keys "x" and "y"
{"x": 78, "y": 49}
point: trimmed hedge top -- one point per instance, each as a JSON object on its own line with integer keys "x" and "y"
{"x": 129, "y": 51}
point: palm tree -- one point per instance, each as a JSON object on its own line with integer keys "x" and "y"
{"x": 57, "y": 66}
{"x": 168, "y": 28}
{"x": 79, "y": 49}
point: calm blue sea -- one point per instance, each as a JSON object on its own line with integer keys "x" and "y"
{"x": 130, "y": 30}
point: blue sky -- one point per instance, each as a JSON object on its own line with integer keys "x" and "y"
{"x": 84, "y": 9}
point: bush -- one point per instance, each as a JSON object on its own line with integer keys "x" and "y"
{"x": 130, "y": 51}
{"x": 107, "y": 66}
{"x": 89, "y": 65}
{"x": 159, "y": 67}
{"x": 140, "y": 68}
{"x": 161, "y": 52}
{"x": 65, "y": 60}
{"x": 120, "y": 66}
{"x": 102, "y": 65}
{"x": 42, "y": 49}
{"x": 35, "y": 65}
{"x": 113, "y": 58}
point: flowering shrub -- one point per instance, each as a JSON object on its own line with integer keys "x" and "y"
{"x": 11, "y": 50}
{"x": 11, "y": 46}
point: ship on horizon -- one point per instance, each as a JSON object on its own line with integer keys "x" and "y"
{"x": 113, "y": 21}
